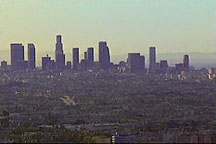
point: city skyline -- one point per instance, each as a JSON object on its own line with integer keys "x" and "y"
{"x": 144, "y": 26}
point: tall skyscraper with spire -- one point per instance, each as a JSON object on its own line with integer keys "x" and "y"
{"x": 59, "y": 54}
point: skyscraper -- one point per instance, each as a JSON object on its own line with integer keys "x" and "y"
{"x": 31, "y": 56}
{"x": 186, "y": 62}
{"x": 163, "y": 66}
{"x": 179, "y": 67}
{"x": 90, "y": 56}
{"x": 152, "y": 58}
{"x": 17, "y": 57}
{"x": 68, "y": 65}
{"x": 59, "y": 53}
{"x": 46, "y": 63}
{"x": 104, "y": 55}
{"x": 75, "y": 58}
{"x": 136, "y": 62}
{"x": 85, "y": 56}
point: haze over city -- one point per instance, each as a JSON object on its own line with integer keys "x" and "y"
{"x": 173, "y": 26}
{"x": 108, "y": 71}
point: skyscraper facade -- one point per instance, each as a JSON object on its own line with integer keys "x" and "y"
{"x": 59, "y": 54}
{"x": 136, "y": 62}
{"x": 152, "y": 58}
{"x": 68, "y": 65}
{"x": 179, "y": 67}
{"x": 75, "y": 58}
{"x": 17, "y": 57}
{"x": 31, "y": 56}
{"x": 163, "y": 66}
{"x": 186, "y": 62}
{"x": 104, "y": 55}
{"x": 90, "y": 56}
{"x": 46, "y": 63}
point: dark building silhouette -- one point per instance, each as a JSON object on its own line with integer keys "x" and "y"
{"x": 83, "y": 64}
{"x": 85, "y": 56}
{"x": 152, "y": 58}
{"x": 31, "y": 56}
{"x": 69, "y": 65}
{"x": 88, "y": 60}
{"x": 4, "y": 64}
{"x": 163, "y": 66}
{"x": 179, "y": 67}
{"x": 90, "y": 56}
{"x": 47, "y": 63}
{"x": 186, "y": 62}
{"x": 136, "y": 62}
{"x": 17, "y": 57}
{"x": 75, "y": 58}
{"x": 59, "y": 53}
{"x": 104, "y": 55}
{"x": 52, "y": 65}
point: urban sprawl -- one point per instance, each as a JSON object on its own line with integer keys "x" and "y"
{"x": 88, "y": 101}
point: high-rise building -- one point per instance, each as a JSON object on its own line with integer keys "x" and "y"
{"x": 186, "y": 62}
{"x": 90, "y": 55}
{"x": 46, "y": 63}
{"x": 31, "y": 56}
{"x": 75, "y": 58}
{"x": 179, "y": 67}
{"x": 68, "y": 66}
{"x": 104, "y": 55}
{"x": 136, "y": 62}
{"x": 152, "y": 58}
{"x": 85, "y": 56}
{"x": 59, "y": 53}
{"x": 17, "y": 57}
{"x": 163, "y": 66}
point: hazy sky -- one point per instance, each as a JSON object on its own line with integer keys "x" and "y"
{"x": 127, "y": 25}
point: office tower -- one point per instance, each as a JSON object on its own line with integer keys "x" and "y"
{"x": 163, "y": 66}
{"x": 104, "y": 55}
{"x": 85, "y": 56}
{"x": 17, "y": 57}
{"x": 4, "y": 64}
{"x": 68, "y": 66}
{"x": 31, "y": 56}
{"x": 136, "y": 63}
{"x": 186, "y": 62}
{"x": 152, "y": 58}
{"x": 179, "y": 67}
{"x": 142, "y": 62}
{"x": 59, "y": 53}
{"x": 75, "y": 58}
{"x": 90, "y": 56}
{"x": 46, "y": 63}
{"x": 52, "y": 65}
{"x": 83, "y": 64}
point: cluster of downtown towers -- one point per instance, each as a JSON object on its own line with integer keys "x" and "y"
{"x": 134, "y": 63}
